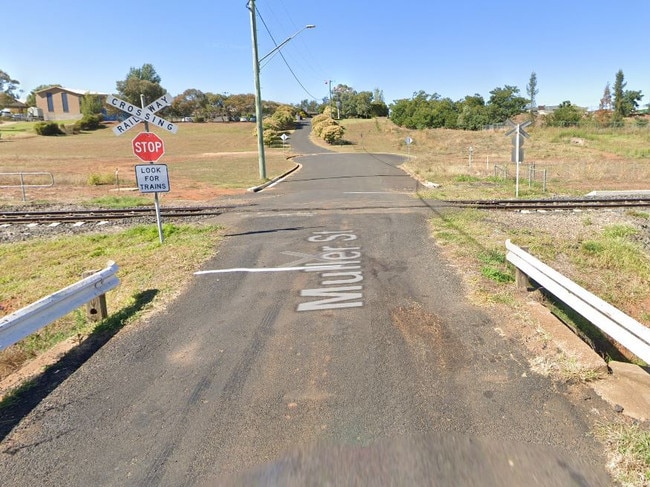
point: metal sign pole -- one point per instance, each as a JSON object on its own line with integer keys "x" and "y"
{"x": 156, "y": 201}
{"x": 517, "y": 140}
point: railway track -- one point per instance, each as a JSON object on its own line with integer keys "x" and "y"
{"x": 552, "y": 204}
{"x": 62, "y": 216}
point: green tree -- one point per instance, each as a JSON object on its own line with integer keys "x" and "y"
{"x": 190, "y": 103}
{"x": 565, "y": 115}
{"x": 505, "y": 103}
{"x": 91, "y": 105}
{"x": 363, "y": 104}
{"x": 532, "y": 91}
{"x": 626, "y": 102}
{"x": 378, "y": 107}
{"x": 619, "y": 88}
{"x": 140, "y": 81}
{"x": 8, "y": 85}
{"x": 473, "y": 113}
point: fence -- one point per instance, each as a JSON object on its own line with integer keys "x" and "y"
{"x": 624, "y": 329}
{"x": 32, "y": 318}
{"x": 21, "y": 178}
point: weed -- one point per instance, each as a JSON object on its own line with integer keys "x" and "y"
{"x": 497, "y": 275}
{"x": 101, "y": 179}
{"x": 628, "y": 451}
{"x": 466, "y": 178}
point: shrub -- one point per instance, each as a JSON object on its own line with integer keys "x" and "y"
{"x": 101, "y": 179}
{"x": 333, "y": 134}
{"x": 47, "y": 128}
{"x": 89, "y": 122}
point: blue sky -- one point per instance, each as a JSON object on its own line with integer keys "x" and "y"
{"x": 453, "y": 48}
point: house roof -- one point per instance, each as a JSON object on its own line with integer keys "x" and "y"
{"x": 16, "y": 104}
{"x": 70, "y": 90}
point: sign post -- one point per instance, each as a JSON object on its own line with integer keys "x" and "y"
{"x": 518, "y": 133}
{"x": 147, "y": 146}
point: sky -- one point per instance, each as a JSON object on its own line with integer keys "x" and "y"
{"x": 452, "y": 48}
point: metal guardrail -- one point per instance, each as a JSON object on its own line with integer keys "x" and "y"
{"x": 22, "y": 184}
{"x": 35, "y": 316}
{"x": 624, "y": 329}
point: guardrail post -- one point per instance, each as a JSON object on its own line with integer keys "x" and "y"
{"x": 96, "y": 308}
{"x": 521, "y": 280}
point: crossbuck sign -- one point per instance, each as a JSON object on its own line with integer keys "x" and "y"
{"x": 145, "y": 114}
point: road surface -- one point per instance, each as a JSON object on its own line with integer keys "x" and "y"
{"x": 326, "y": 341}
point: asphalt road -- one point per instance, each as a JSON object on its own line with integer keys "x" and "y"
{"x": 326, "y": 343}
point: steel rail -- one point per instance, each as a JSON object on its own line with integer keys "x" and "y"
{"x": 551, "y": 204}
{"x": 43, "y": 216}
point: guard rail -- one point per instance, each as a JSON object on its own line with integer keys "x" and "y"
{"x": 624, "y": 329}
{"x": 35, "y": 316}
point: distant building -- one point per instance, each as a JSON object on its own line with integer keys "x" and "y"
{"x": 59, "y": 103}
{"x": 546, "y": 109}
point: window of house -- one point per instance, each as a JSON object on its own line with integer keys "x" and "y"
{"x": 50, "y": 103}
{"x": 64, "y": 101}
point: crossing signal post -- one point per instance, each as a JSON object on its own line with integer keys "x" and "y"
{"x": 518, "y": 134}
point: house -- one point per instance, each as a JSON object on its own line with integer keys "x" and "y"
{"x": 58, "y": 103}
{"x": 13, "y": 107}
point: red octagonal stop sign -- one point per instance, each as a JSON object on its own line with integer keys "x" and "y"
{"x": 148, "y": 146}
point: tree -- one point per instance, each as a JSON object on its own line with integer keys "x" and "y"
{"x": 191, "y": 103}
{"x": 91, "y": 105}
{"x": 378, "y": 107}
{"x": 603, "y": 116}
{"x": 532, "y": 91}
{"x": 606, "y": 100}
{"x": 631, "y": 99}
{"x": 565, "y": 115}
{"x": 619, "y": 87}
{"x": 626, "y": 102}
{"x": 505, "y": 103}
{"x": 8, "y": 85}
{"x": 140, "y": 81}
{"x": 473, "y": 113}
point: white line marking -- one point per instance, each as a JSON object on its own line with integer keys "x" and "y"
{"x": 270, "y": 269}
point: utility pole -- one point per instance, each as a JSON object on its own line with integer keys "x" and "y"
{"x": 258, "y": 92}
{"x": 329, "y": 82}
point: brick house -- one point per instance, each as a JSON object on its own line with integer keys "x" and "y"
{"x": 60, "y": 103}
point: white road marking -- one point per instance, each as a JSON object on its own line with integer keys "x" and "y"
{"x": 270, "y": 269}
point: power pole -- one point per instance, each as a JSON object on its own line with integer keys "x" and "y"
{"x": 258, "y": 92}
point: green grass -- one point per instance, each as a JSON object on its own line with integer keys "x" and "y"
{"x": 144, "y": 264}
{"x": 631, "y": 447}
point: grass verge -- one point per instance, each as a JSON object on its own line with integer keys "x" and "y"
{"x": 630, "y": 445}
{"x": 145, "y": 266}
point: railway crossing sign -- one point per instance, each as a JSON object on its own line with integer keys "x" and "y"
{"x": 518, "y": 133}
{"x": 148, "y": 147}
{"x": 144, "y": 114}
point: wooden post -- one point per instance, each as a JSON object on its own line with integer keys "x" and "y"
{"x": 521, "y": 279}
{"x": 96, "y": 309}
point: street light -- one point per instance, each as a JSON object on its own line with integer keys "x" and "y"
{"x": 258, "y": 91}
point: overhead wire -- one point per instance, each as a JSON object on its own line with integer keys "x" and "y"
{"x": 282, "y": 56}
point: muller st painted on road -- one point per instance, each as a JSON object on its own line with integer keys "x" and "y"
{"x": 340, "y": 280}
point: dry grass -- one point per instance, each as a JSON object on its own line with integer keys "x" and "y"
{"x": 576, "y": 160}
{"x": 204, "y": 160}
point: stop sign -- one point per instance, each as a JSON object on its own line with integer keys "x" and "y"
{"x": 148, "y": 146}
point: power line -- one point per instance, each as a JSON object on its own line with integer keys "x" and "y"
{"x": 283, "y": 58}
